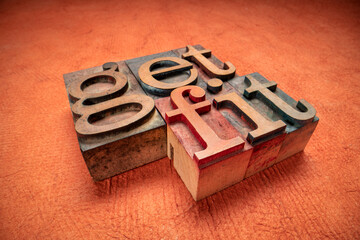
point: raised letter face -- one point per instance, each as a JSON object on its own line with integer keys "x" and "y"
{"x": 263, "y": 126}
{"x": 151, "y": 79}
{"x": 96, "y": 105}
{"x": 116, "y": 113}
{"x": 200, "y": 58}
{"x": 189, "y": 114}
{"x": 117, "y": 124}
{"x": 143, "y": 104}
{"x": 110, "y": 76}
{"x": 301, "y": 116}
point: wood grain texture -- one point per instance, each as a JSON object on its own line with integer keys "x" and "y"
{"x": 204, "y": 181}
{"x": 297, "y": 135}
{"x": 265, "y": 153}
{"x": 188, "y": 103}
{"x": 311, "y": 49}
{"x": 204, "y": 178}
{"x": 114, "y": 151}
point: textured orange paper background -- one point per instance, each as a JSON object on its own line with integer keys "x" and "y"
{"x": 312, "y": 50}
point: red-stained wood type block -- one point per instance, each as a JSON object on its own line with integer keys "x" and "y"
{"x": 267, "y": 148}
{"x": 207, "y": 151}
{"x": 117, "y": 124}
{"x": 299, "y": 116}
{"x": 264, "y": 96}
{"x": 265, "y": 145}
{"x": 265, "y": 136}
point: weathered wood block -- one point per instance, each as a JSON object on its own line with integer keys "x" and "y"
{"x": 264, "y": 137}
{"x": 298, "y": 131}
{"x": 275, "y": 105}
{"x": 207, "y": 151}
{"x": 118, "y": 126}
{"x": 266, "y": 149}
{"x": 221, "y": 128}
{"x": 159, "y": 74}
{"x": 204, "y": 78}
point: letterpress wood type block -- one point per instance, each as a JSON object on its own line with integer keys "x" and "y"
{"x": 300, "y": 117}
{"x": 165, "y": 73}
{"x": 238, "y": 110}
{"x": 265, "y": 136}
{"x": 117, "y": 124}
{"x": 161, "y": 73}
{"x": 251, "y": 125}
{"x": 212, "y": 83}
{"x": 203, "y": 179}
{"x": 207, "y": 62}
{"x": 207, "y": 151}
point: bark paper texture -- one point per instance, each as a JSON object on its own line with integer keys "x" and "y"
{"x": 311, "y": 50}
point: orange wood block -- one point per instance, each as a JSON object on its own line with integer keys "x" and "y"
{"x": 204, "y": 166}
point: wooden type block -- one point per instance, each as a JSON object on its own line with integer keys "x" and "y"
{"x": 211, "y": 149}
{"x": 298, "y": 133}
{"x": 202, "y": 58}
{"x": 117, "y": 124}
{"x": 265, "y": 151}
{"x": 207, "y": 151}
{"x": 265, "y": 136}
{"x": 203, "y": 77}
{"x": 298, "y": 130}
{"x": 180, "y": 52}
{"x": 161, "y": 73}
